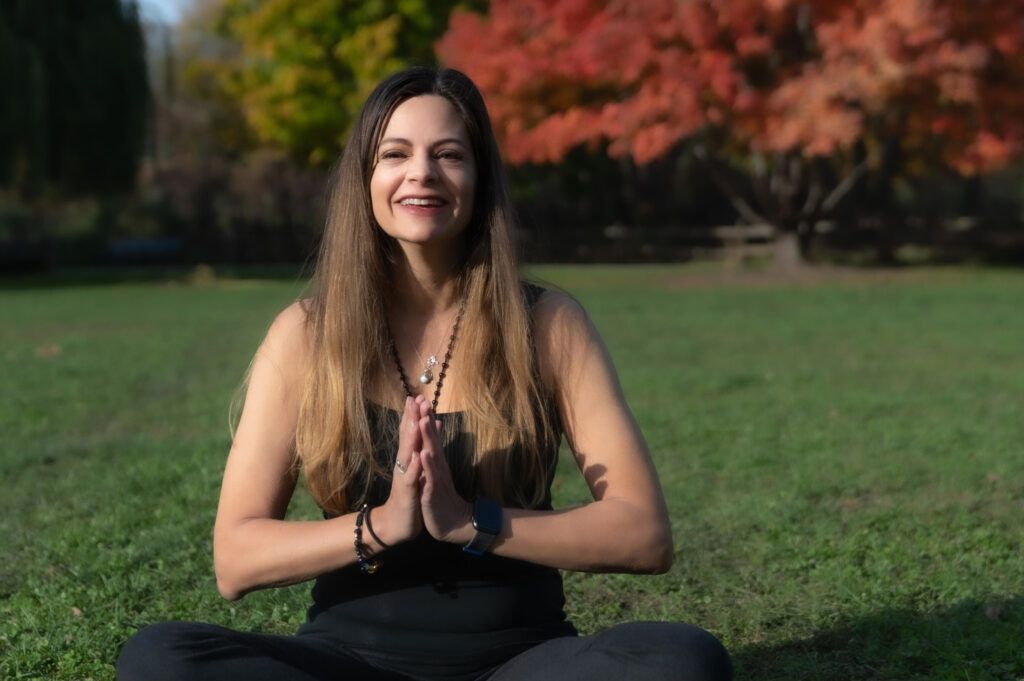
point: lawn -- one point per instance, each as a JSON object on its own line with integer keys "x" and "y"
{"x": 843, "y": 456}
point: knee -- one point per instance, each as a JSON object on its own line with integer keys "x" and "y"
{"x": 671, "y": 650}
{"x": 158, "y": 652}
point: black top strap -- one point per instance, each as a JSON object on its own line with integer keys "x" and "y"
{"x": 532, "y": 293}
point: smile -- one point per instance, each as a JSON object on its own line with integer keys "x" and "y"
{"x": 421, "y": 202}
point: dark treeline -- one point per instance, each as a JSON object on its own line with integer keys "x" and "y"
{"x": 102, "y": 164}
{"x": 74, "y": 99}
{"x": 74, "y": 102}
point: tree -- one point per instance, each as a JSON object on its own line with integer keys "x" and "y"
{"x": 301, "y": 69}
{"x": 787, "y": 102}
{"x": 74, "y": 96}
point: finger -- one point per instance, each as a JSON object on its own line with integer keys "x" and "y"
{"x": 429, "y": 434}
{"x": 407, "y": 428}
{"x": 410, "y": 416}
{"x": 428, "y": 476}
{"x": 414, "y": 468}
{"x": 411, "y": 413}
{"x": 426, "y": 434}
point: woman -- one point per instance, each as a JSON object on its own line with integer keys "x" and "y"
{"x": 437, "y": 557}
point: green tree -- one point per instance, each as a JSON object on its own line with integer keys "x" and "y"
{"x": 74, "y": 96}
{"x": 301, "y": 69}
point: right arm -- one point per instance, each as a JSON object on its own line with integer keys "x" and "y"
{"x": 253, "y": 546}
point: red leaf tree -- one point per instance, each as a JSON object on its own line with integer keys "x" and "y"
{"x": 796, "y": 99}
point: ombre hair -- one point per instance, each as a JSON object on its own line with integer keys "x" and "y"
{"x": 507, "y": 409}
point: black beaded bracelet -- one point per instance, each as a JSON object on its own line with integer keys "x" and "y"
{"x": 367, "y": 565}
{"x": 369, "y": 528}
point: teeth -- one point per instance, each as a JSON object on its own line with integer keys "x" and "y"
{"x": 421, "y": 202}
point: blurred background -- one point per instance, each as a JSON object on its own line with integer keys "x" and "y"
{"x": 840, "y": 441}
{"x": 181, "y": 132}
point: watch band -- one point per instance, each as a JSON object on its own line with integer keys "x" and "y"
{"x": 487, "y": 522}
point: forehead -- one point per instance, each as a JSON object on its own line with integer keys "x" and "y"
{"x": 426, "y": 118}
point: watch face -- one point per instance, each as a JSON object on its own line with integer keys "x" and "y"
{"x": 487, "y": 516}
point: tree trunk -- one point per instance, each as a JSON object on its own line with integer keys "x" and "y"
{"x": 787, "y": 252}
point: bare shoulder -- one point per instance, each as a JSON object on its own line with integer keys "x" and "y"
{"x": 564, "y": 337}
{"x": 558, "y": 317}
{"x": 290, "y": 331}
{"x": 290, "y": 324}
{"x": 287, "y": 345}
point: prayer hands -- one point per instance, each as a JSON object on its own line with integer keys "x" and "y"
{"x": 422, "y": 490}
{"x": 446, "y": 515}
{"x": 399, "y": 519}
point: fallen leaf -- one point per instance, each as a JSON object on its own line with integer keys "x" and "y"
{"x": 51, "y": 350}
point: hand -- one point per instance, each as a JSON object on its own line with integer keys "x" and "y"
{"x": 399, "y": 519}
{"x": 446, "y": 515}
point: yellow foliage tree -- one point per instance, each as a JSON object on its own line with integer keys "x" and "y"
{"x": 300, "y": 69}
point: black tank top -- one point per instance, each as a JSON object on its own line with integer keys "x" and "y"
{"x": 431, "y": 603}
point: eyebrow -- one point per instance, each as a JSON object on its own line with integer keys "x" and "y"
{"x": 403, "y": 141}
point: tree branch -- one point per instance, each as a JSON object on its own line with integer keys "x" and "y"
{"x": 844, "y": 187}
{"x": 728, "y": 188}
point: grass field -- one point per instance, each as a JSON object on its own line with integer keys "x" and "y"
{"x": 843, "y": 458}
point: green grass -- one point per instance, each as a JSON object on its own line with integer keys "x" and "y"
{"x": 843, "y": 459}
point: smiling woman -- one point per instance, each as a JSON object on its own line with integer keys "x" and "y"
{"x": 439, "y": 551}
{"x": 424, "y": 178}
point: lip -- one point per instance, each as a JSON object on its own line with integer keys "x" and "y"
{"x": 430, "y": 212}
{"x": 422, "y": 197}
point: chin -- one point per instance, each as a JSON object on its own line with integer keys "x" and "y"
{"x": 423, "y": 237}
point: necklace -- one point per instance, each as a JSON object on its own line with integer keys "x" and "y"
{"x": 431, "y": 361}
{"x": 427, "y": 376}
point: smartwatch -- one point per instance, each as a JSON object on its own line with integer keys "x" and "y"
{"x": 487, "y": 523}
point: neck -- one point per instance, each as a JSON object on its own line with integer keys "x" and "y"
{"x": 426, "y": 286}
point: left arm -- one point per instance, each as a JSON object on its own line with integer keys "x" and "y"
{"x": 625, "y": 528}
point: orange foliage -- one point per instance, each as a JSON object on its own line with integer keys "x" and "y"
{"x": 812, "y": 76}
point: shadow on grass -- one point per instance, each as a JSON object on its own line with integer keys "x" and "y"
{"x": 103, "y": 276}
{"x": 970, "y": 641}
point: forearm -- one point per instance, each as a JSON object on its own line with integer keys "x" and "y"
{"x": 259, "y": 553}
{"x": 611, "y": 535}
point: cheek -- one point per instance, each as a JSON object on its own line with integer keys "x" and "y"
{"x": 380, "y": 196}
{"x": 469, "y": 188}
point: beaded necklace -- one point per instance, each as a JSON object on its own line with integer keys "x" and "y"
{"x": 444, "y": 364}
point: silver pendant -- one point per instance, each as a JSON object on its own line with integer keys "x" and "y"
{"x": 427, "y": 376}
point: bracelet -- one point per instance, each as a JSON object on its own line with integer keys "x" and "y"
{"x": 369, "y": 528}
{"x": 367, "y": 565}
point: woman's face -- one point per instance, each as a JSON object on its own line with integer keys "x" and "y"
{"x": 424, "y": 177}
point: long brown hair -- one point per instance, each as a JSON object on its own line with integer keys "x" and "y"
{"x": 508, "y": 410}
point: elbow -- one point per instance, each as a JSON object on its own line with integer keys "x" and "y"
{"x": 229, "y": 583}
{"x": 664, "y": 558}
{"x": 228, "y": 590}
{"x": 656, "y": 552}
{"x": 647, "y": 548}
{"x": 659, "y": 555}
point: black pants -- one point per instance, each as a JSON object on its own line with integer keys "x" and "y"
{"x": 639, "y": 651}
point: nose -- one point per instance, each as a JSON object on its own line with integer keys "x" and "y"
{"x": 421, "y": 168}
